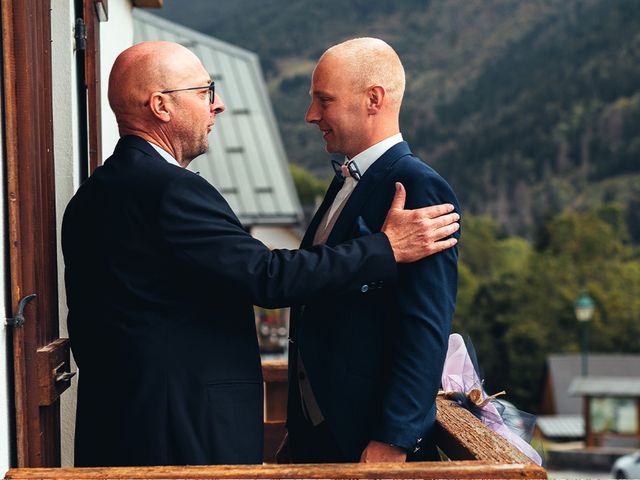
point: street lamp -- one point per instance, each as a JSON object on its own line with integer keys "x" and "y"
{"x": 584, "y": 308}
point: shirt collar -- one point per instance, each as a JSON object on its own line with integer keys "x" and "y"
{"x": 164, "y": 154}
{"x": 365, "y": 159}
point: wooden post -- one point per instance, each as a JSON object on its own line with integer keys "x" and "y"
{"x": 589, "y": 438}
{"x": 275, "y": 406}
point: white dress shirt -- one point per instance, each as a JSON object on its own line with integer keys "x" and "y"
{"x": 166, "y": 155}
{"x": 363, "y": 161}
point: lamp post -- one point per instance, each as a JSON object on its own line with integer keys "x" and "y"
{"x": 584, "y": 308}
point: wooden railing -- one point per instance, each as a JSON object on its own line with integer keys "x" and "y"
{"x": 474, "y": 452}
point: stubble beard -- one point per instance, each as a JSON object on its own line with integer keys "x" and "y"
{"x": 197, "y": 147}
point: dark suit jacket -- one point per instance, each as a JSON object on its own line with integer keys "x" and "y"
{"x": 161, "y": 278}
{"x": 374, "y": 360}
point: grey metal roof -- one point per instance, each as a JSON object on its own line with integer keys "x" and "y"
{"x": 561, "y": 426}
{"x": 605, "y": 386}
{"x": 246, "y": 161}
{"x": 563, "y": 368}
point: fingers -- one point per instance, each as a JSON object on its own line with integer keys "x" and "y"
{"x": 434, "y": 211}
{"x": 437, "y": 247}
{"x": 444, "y": 220}
{"x": 447, "y": 230}
{"x": 399, "y": 198}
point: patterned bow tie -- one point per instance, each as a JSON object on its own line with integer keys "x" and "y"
{"x": 344, "y": 170}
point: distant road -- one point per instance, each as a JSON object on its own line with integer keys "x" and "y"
{"x": 573, "y": 475}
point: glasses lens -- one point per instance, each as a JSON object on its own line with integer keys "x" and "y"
{"x": 212, "y": 92}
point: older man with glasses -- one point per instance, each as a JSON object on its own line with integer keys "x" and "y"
{"x": 161, "y": 278}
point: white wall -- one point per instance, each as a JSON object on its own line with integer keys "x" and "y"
{"x": 5, "y": 373}
{"x": 116, "y": 35}
{"x": 67, "y": 158}
{"x": 277, "y": 237}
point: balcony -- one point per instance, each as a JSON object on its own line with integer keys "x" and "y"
{"x": 474, "y": 452}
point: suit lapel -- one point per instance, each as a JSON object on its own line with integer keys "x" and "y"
{"x": 332, "y": 191}
{"x": 307, "y": 241}
{"x": 365, "y": 188}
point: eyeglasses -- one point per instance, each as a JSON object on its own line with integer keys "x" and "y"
{"x": 211, "y": 87}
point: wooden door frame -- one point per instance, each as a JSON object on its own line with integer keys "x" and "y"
{"x": 92, "y": 79}
{"x": 31, "y": 211}
{"x": 28, "y": 117}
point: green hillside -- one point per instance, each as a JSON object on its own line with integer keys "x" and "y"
{"x": 526, "y": 107}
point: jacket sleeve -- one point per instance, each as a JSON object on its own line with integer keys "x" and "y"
{"x": 200, "y": 230}
{"x": 421, "y": 317}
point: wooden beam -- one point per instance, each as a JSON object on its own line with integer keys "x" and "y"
{"x": 463, "y": 437}
{"x": 275, "y": 371}
{"x": 148, "y": 3}
{"x": 417, "y": 470}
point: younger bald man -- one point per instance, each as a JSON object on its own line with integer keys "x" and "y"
{"x": 364, "y": 369}
{"x": 161, "y": 278}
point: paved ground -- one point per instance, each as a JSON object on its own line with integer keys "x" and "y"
{"x": 574, "y": 475}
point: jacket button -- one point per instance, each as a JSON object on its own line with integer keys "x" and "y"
{"x": 364, "y": 288}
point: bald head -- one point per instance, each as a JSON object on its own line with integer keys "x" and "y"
{"x": 370, "y": 61}
{"x": 160, "y": 91}
{"x": 145, "y": 68}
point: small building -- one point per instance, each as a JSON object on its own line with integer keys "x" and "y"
{"x": 561, "y": 413}
{"x": 611, "y": 410}
{"x": 562, "y": 369}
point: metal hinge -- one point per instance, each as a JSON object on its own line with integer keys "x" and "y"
{"x": 80, "y": 35}
{"x": 18, "y": 320}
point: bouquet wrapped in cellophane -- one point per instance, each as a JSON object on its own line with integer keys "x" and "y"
{"x": 461, "y": 383}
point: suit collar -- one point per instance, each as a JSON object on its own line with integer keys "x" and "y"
{"x": 368, "y": 157}
{"x": 364, "y": 189}
{"x": 138, "y": 143}
{"x": 164, "y": 154}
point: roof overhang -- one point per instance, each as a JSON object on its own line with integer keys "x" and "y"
{"x": 605, "y": 387}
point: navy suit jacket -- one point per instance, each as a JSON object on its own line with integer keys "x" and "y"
{"x": 161, "y": 278}
{"x": 374, "y": 359}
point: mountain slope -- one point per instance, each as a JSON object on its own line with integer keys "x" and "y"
{"x": 512, "y": 101}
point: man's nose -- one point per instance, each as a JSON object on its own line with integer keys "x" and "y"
{"x": 217, "y": 106}
{"x": 312, "y": 114}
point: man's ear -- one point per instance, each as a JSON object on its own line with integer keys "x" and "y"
{"x": 160, "y": 106}
{"x": 375, "y": 99}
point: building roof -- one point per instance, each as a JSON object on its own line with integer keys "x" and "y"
{"x": 605, "y": 386}
{"x": 563, "y": 368}
{"x": 246, "y": 161}
{"x": 561, "y": 426}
